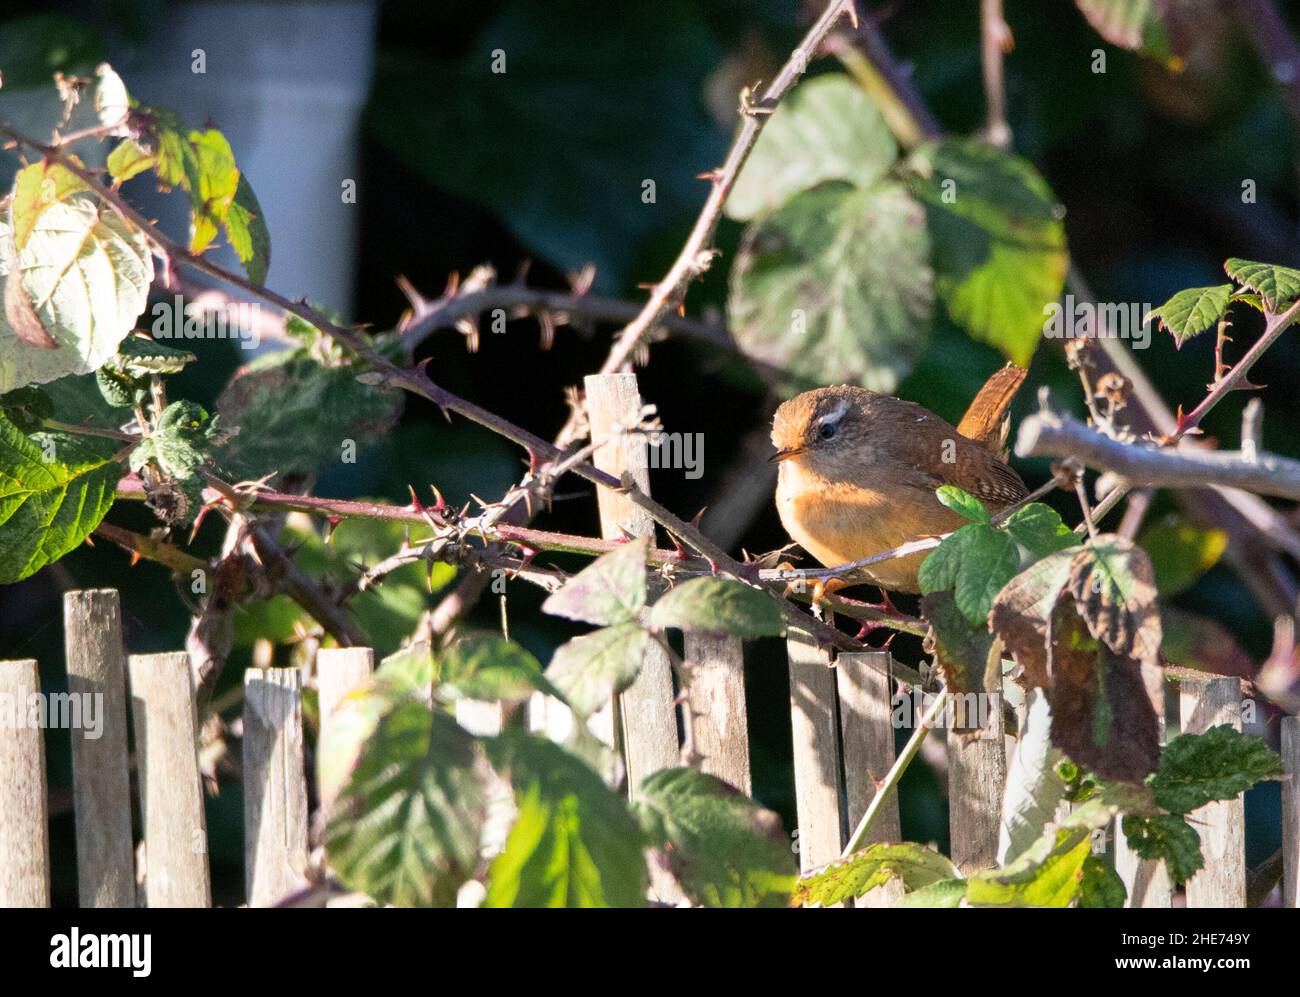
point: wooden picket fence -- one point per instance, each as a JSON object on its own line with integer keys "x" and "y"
{"x": 843, "y": 741}
{"x": 840, "y": 717}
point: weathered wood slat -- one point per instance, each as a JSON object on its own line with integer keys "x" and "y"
{"x": 101, "y": 778}
{"x": 171, "y": 796}
{"x": 1291, "y": 812}
{"x": 275, "y": 786}
{"x": 818, "y": 799}
{"x": 717, "y": 703}
{"x": 977, "y": 777}
{"x": 867, "y": 734}
{"x": 648, "y": 709}
{"x": 1206, "y": 703}
{"x": 24, "y": 812}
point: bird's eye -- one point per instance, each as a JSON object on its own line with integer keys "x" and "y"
{"x": 826, "y": 430}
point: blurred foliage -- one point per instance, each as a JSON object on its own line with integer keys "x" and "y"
{"x": 546, "y": 163}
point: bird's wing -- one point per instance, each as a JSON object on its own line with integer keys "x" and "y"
{"x": 986, "y": 420}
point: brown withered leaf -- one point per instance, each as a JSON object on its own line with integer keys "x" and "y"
{"x": 1021, "y": 612}
{"x": 961, "y": 651}
{"x": 1101, "y": 716}
{"x": 19, "y": 310}
{"x": 1114, "y": 584}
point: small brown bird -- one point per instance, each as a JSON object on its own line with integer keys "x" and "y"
{"x": 859, "y": 471}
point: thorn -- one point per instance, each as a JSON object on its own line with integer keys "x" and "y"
{"x": 331, "y": 524}
{"x": 440, "y": 504}
{"x": 851, "y": 12}
{"x": 416, "y": 504}
{"x": 695, "y": 520}
{"x": 429, "y": 575}
{"x": 713, "y": 175}
{"x": 135, "y": 558}
{"x": 527, "y": 554}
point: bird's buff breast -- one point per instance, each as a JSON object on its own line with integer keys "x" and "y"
{"x": 837, "y": 523}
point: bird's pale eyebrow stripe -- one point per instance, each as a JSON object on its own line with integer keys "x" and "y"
{"x": 835, "y": 414}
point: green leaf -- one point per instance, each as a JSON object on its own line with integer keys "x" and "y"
{"x": 73, "y": 290}
{"x": 27, "y": 408}
{"x": 37, "y": 188}
{"x": 48, "y": 506}
{"x": 405, "y": 829}
{"x": 1181, "y": 551}
{"x": 963, "y": 504}
{"x": 1048, "y": 874}
{"x": 246, "y": 229}
{"x": 1191, "y": 312}
{"x": 999, "y": 250}
{"x": 202, "y": 164}
{"x": 719, "y": 605}
{"x": 612, "y": 589}
{"x": 1277, "y": 285}
{"x": 1101, "y": 885}
{"x": 827, "y": 129}
{"x": 139, "y": 356}
{"x": 294, "y": 413}
{"x": 1039, "y": 529}
{"x": 1168, "y": 837}
{"x": 1132, "y": 24}
{"x": 723, "y": 848}
{"x": 490, "y": 667}
{"x": 945, "y": 893}
{"x": 1220, "y": 764}
{"x": 573, "y": 843}
{"x": 409, "y": 671}
{"x": 975, "y": 561}
{"x": 129, "y": 159}
{"x": 835, "y": 286}
{"x": 591, "y": 669}
{"x": 918, "y": 866}
{"x": 178, "y": 448}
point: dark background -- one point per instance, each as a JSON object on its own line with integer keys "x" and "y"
{"x": 544, "y": 166}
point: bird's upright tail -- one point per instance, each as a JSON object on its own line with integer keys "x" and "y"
{"x": 987, "y": 420}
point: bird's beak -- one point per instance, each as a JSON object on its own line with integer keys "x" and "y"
{"x": 785, "y": 454}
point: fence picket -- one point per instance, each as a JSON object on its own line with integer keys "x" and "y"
{"x": 24, "y": 810}
{"x": 818, "y": 800}
{"x": 1291, "y": 812}
{"x": 101, "y": 778}
{"x": 717, "y": 704}
{"x": 867, "y": 733}
{"x": 1206, "y": 703}
{"x": 171, "y": 797}
{"x": 977, "y": 778}
{"x": 275, "y": 785}
{"x": 647, "y": 708}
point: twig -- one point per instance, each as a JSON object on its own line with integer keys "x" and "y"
{"x": 697, "y": 253}
{"x": 1052, "y": 434}
{"x": 995, "y": 41}
{"x": 154, "y": 550}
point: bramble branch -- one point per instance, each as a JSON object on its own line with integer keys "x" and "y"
{"x": 1054, "y": 434}
{"x": 697, "y": 253}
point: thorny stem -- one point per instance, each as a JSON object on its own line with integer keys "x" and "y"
{"x": 697, "y": 253}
